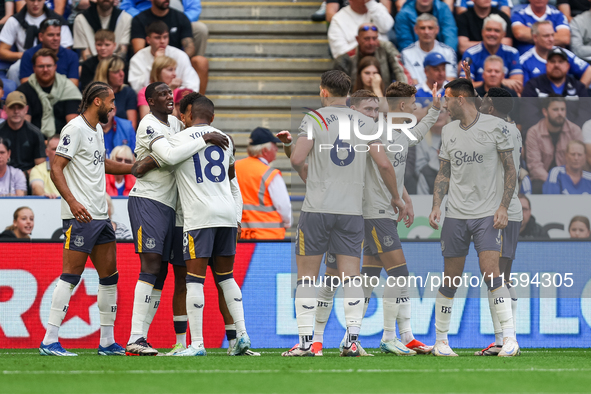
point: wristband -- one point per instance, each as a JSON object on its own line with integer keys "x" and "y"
{"x": 284, "y": 145}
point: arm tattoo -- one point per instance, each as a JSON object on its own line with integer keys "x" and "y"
{"x": 188, "y": 46}
{"x": 441, "y": 182}
{"x": 140, "y": 168}
{"x": 510, "y": 177}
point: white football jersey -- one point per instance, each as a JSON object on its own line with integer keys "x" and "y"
{"x": 473, "y": 153}
{"x": 84, "y": 146}
{"x": 336, "y": 171}
{"x": 376, "y": 196}
{"x": 204, "y": 184}
{"x": 514, "y": 211}
{"x": 159, "y": 184}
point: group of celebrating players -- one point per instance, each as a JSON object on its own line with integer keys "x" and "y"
{"x": 186, "y": 208}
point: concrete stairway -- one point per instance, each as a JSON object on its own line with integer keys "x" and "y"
{"x": 262, "y": 56}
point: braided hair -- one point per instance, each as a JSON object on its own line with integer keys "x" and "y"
{"x": 92, "y": 91}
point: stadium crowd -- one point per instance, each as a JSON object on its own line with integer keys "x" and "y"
{"x": 50, "y": 51}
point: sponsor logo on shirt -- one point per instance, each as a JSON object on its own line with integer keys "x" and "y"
{"x": 400, "y": 158}
{"x": 173, "y": 30}
{"x": 98, "y": 158}
{"x": 62, "y": 149}
{"x": 464, "y": 157}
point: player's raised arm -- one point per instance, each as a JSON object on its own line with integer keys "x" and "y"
{"x": 439, "y": 191}
{"x": 115, "y": 168}
{"x": 59, "y": 180}
{"x": 501, "y": 217}
{"x": 388, "y": 175}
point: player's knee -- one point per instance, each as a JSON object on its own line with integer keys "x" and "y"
{"x": 190, "y": 278}
{"x": 110, "y": 280}
{"x": 401, "y": 270}
{"x": 448, "y": 292}
{"x": 148, "y": 278}
{"x": 70, "y": 278}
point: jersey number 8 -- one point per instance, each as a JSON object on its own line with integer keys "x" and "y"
{"x": 211, "y": 163}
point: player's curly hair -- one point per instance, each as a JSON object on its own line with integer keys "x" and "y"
{"x": 92, "y": 91}
{"x": 336, "y": 82}
{"x": 188, "y": 100}
{"x": 501, "y": 100}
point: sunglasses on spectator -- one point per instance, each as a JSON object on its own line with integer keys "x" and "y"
{"x": 52, "y": 22}
{"x": 122, "y": 160}
{"x": 367, "y": 28}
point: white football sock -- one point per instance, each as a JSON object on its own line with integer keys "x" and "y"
{"x": 305, "y": 307}
{"x": 513, "y": 294}
{"x": 141, "y": 306}
{"x": 443, "y": 307}
{"x": 502, "y": 304}
{"x": 391, "y": 298}
{"x": 353, "y": 301}
{"x": 152, "y": 309}
{"x": 59, "y": 306}
{"x": 403, "y": 319}
{"x": 181, "y": 338}
{"x": 324, "y": 307}
{"x": 495, "y": 319}
{"x": 367, "y": 290}
{"x": 195, "y": 305}
{"x": 233, "y": 297}
{"x": 107, "y": 304}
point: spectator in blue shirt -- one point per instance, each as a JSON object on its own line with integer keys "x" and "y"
{"x": 462, "y": 6}
{"x": 434, "y": 66}
{"x": 493, "y": 31}
{"x": 118, "y": 132}
{"x": 407, "y": 18}
{"x": 525, "y": 15}
{"x": 50, "y": 37}
{"x": 533, "y": 61}
{"x": 570, "y": 178}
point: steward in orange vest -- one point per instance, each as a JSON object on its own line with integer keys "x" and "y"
{"x": 260, "y": 216}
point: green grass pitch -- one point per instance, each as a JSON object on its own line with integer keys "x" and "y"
{"x": 535, "y": 371}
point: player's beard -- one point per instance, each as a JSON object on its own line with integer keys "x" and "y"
{"x": 103, "y": 114}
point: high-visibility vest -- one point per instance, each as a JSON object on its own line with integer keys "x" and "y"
{"x": 260, "y": 219}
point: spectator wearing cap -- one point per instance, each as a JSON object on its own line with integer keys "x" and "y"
{"x": 556, "y": 81}
{"x": 118, "y": 132}
{"x": 570, "y": 178}
{"x": 581, "y": 35}
{"x": 267, "y": 207}
{"x": 434, "y": 66}
{"x": 102, "y": 15}
{"x": 40, "y": 176}
{"x": 493, "y": 32}
{"x": 525, "y": 15}
{"x": 470, "y": 23}
{"x": 21, "y": 30}
{"x": 413, "y": 57}
{"x": 369, "y": 45}
{"x": 27, "y": 142}
{"x": 407, "y": 18}
{"x": 158, "y": 39}
{"x": 533, "y": 61}
{"x": 52, "y": 98}
{"x": 49, "y": 37}
{"x": 341, "y": 37}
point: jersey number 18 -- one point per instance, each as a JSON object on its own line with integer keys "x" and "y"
{"x": 211, "y": 163}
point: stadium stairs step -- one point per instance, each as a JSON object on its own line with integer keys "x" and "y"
{"x": 270, "y": 10}
{"x": 264, "y": 57}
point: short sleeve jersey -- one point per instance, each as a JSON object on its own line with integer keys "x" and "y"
{"x": 204, "y": 184}
{"x": 514, "y": 135}
{"x": 336, "y": 170}
{"x": 533, "y": 65}
{"x": 376, "y": 196}
{"x": 84, "y": 146}
{"x": 473, "y": 153}
{"x": 477, "y": 54}
{"x": 159, "y": 184}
